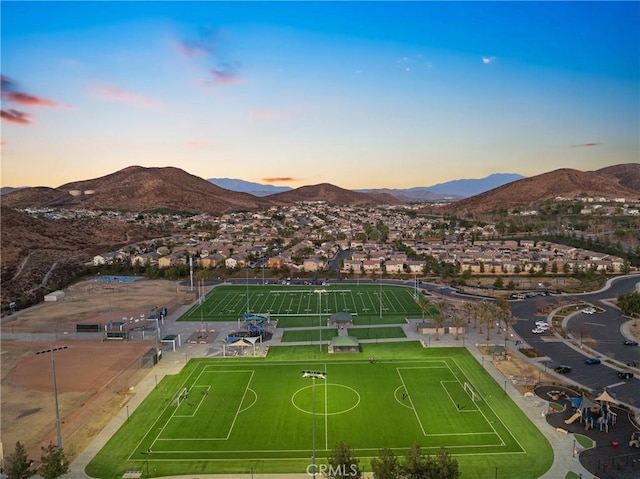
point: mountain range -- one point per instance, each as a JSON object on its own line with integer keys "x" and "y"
{"x": 138, "y": 188}
{"x": 455, "y": 189}
{"x": 36, "y": 248}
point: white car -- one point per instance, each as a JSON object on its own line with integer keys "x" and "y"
{"x": 544, "y": 327}
{"x": 589, "y": 310}
{"x": 542, "y": 323}
{"x": 537, "y": 331}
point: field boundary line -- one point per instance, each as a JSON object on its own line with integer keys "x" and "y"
{"x": 411, "y": 401}
{"x": 498, "y": 418}
{"x": 240, "y": 403}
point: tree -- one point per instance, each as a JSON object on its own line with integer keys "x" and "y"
{"x": 54, "y": 462}
{"x": 342, "y": 463}
{"x": 423, "y": 304}
{"x": 17, "y": 464}
{"x": 447, "y": 467}
{"x": 386, "y": 465}
{"x": 458, "y": 321}
{"x": 629, "y": 303}
{"x": 440, "y": 316}
{"x": 415, "y": 463}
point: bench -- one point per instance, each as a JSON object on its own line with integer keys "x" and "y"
{"x": 132, "y": 475}
{"x": 562, "y": 431}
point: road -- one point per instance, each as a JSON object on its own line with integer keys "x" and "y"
{"x": 602, "y": 332}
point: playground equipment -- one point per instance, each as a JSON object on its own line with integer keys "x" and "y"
{"x": 635, "y": 439}
{"x": 577, "y": 415}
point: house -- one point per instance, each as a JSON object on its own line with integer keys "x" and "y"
{"x": 371, "y": 266}
{"x": 143, "y": 259}
{"x": 416, "y": 266}
{"x": 106, "y": 258}
{"x": 352, "y": 265}
{"x": 235, "y": 261}
{"x": 211, "y": 260}
{"x": 314, "y": 264}
{"x": 276, "y": 262}
{"x": 394, "y": 266}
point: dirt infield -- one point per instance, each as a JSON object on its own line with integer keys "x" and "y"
{"x": 95, "y": 379}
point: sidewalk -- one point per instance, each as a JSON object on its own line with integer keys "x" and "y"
{"x": 172, "y": 362}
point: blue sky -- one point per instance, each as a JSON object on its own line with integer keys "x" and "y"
{"x": 357, "y": 94}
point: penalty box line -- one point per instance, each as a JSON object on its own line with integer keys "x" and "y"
{"x": 495, "y": 414}
{"x": 446, "y": 366}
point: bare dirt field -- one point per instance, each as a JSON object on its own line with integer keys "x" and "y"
{"x": 94, "y": 378}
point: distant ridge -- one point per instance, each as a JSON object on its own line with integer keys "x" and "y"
{"x": 331, "y": 194}
{"x": 256, "y": 189}
{"x": 472, "y": 187}
{"x": 450, "y": 190}
{"x": 564, "y": 182}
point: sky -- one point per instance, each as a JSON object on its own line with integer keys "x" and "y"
{"x": 356, "y": 94}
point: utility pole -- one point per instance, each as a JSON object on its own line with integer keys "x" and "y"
{"x": 55, "y": 390}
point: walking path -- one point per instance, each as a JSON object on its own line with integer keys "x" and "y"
{"x": 565, "y": 458}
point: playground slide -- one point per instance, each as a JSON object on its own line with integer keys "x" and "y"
{"x": 573, "y": 418}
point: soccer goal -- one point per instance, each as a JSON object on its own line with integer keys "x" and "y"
{"x": 474, "y": 396}
{"x": 181, "y": 396}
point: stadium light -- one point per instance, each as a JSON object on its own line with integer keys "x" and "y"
{"x": 313, "y": 375}
{"x": 55, "y": 389}
{"x": 320, "y": 292}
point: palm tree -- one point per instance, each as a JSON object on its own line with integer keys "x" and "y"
{"x": 423, "y": 304}
{"x": 458, "y": 321}
{"x": 440, "y": 315}
{"x": 470, "y": 309}
{"x": 508, "y": 320}
{"x": 481, "y": 313}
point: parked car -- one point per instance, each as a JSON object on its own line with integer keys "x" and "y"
{"x": 629, "y": 342}
{"x": 625, "y": 375}
{"x": 563, "y": 369}
{"x": 592, "y": 361}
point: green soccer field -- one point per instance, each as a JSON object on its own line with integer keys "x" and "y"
{"x": 303, "y": 303}
{"x": 260, "y": 414}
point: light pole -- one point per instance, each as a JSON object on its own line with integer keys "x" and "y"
{"x": 55, "y": 389}
{"x": 313, "y": 375}
{"x": 320, "y": 292}
{"x": 380, "y": 295}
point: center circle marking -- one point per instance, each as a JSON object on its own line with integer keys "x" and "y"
{"x": 297, "y": 397}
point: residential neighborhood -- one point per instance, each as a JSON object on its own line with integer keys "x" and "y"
{"x": 373, "y": 241}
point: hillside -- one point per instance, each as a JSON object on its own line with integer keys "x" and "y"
{"x": 628, "y": 175}
{"x": 138, "y": 189}
{"x": 33, "y": 247}
{"x": 564, "y": 182}
{"x": 332, "y": 195}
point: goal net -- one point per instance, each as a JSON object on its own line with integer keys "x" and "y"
{"x": 469, "y": 390}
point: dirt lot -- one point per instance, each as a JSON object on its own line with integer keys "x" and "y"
{"x": 94, "y": 378}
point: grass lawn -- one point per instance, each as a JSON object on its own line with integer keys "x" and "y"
{"x": 300, "y": 306}
{"x": 258, "y": 414}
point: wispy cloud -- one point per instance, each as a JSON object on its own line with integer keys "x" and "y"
{"x": 15, "y": 116}
{"x": 281, "y": 179}
{"x": 226, "y": 74}
{"x": 585, "y": 145}
{"x": 10, "y": 93}
{"x": 210, "y": 47}
{"x": 118, "y": 94}
{"x": 488, "y": 60}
